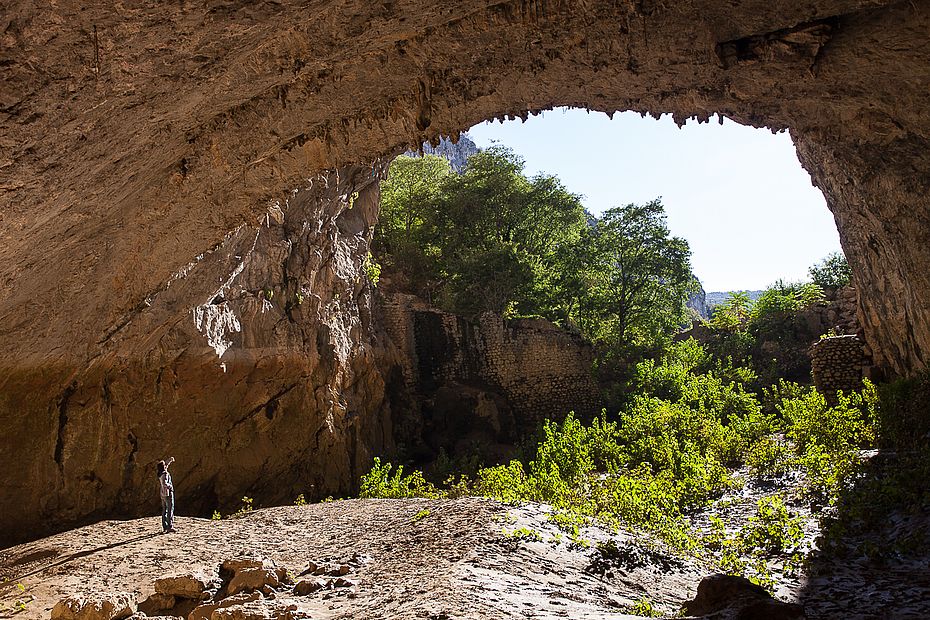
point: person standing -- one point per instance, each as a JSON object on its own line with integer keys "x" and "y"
{"x": 166, "y": 490}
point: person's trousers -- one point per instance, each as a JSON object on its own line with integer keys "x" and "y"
{"x": 167, "y": 512}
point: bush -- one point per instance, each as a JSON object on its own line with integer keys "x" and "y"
{"x": 828, "y": 439}
{"x": 773, "y": 530}
{"x": 505, "y": 483}
{"x": 770, "y": 457}
{"x": 848, "y": 426}
{"x": 380, "y": 483}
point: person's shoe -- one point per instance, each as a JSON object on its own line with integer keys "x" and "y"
{"x": 171, "y": 530}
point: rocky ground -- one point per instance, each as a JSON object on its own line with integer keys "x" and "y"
{"x": 463, "y": 558}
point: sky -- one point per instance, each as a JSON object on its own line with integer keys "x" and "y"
{"x": 737, "y": 194}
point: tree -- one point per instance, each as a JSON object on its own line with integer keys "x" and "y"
{"x": 406, "y": 227}
{"x": 633, "y": 276}
{"x": 733, "y": 313}
{"x": 832, "y": 272}
{"x": 490, "y": 239}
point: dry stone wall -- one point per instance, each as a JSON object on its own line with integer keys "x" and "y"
{"x": 541, "y": 370}
{"x": 838, "y": 363}
{"x": 544, "y": 370}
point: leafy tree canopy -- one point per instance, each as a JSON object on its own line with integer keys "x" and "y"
{"x": 493, "y": 239}
{"x": 633, "y": 275}
{"x": 832, "y": 272}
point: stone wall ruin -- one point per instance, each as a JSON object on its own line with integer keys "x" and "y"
{"x": 838, "y": 363}
{"x": 505, "y": 376}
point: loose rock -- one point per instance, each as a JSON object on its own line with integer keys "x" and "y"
{"x": 251, "y": 579}
{"x": 308, "y": 586}
{"x": 183, "y": 586}
{"x": 113, "y": 606}
{"x": 729, "y": 596}
{"x": 205, "y": 611}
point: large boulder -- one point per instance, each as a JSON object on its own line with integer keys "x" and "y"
{"x": 189, "y": 586}
{"x": 729, "y": 597}
{"x": 251, "y": 579}
{"x": 102, "y": 606}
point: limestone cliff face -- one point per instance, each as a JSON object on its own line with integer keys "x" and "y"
{"x": 135, "y": 138}
{"x": 456, "y": 153}
{"x": 253, "y": 365}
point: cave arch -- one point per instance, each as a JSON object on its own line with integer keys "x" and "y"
{"x": 163, "y": 162}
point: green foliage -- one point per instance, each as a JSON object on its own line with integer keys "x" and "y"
{"x": 505, "y": 483}
{"x": 20, "y": 604}
{"x": 770, "y": 457}
{"x": 372, "y": 269}
{"x": 421, "y": 514}
{"x": 903, "y": 415}
{"x": 773, "y": 532}
{"x": 489, "y": 239}
{"x": 632, "y": 276}
{"x": 832, "y": 272}
{"x": 782, "y": 300}
{"x": 715, "y": 538}
{"x": 524, "y": 533}
{"x": 244, "y": 509}
{"x": 493, "y": 239}
{"x": 300, "y": 500}
{"x": 733, "y": 313}
{"x": 773, "y": 529}
{"x": 216, "y": 516}
{"x": 827, "y": 439}
{"x": 842, "y": 428}
{"x": 644, "y": 608}
{"x": 770, "y": 335}
{"x": 379, "y": 482}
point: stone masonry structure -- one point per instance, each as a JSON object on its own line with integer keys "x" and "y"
{"x": 541, "y": 370}
{"x": 838, "y": 363}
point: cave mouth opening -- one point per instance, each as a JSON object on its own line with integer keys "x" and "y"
{"x": 740, "y": 191}
{"x": 738, "y": 194}
{"x": 717, "y": 166}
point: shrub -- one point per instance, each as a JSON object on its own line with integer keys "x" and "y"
{"x": 844, "y": 427}
{"x": 772, "y": 530}
{"x": 770, "y": 457}
{"x": 380, "y": 483}
{"x": 505, "y": 483}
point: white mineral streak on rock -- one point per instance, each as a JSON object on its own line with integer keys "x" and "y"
{"x": 216, "y": 321}
{"x": 275, "y": 213}
{"x": 339, "y": 321}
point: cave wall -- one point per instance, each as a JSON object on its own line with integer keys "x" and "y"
{"x": 137, "y": 137}
{"x": 254, "y": 366}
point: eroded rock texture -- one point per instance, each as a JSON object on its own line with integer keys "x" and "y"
{"x": 137, "y": 137}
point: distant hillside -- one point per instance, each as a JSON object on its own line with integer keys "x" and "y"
{"x": 718, "y": 297}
